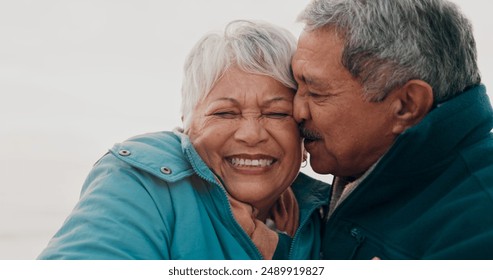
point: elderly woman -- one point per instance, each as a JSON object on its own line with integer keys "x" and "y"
{"x": 226, "y": 186}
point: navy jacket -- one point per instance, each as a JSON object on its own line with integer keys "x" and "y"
{"x": 430, "y": 196}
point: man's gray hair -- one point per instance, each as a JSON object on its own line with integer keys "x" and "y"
{"x": 254, "y": 47}
{"x": 389, "y": 42}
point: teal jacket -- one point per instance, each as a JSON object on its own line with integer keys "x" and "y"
{"x": 430, "y": 196}
{"x": 152, "y": 197}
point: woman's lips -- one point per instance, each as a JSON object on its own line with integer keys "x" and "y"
{"x": 251, "y": 164}
{"x": 247, "y": 162}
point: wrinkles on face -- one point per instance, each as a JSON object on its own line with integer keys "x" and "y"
{"x": 345, "y": 133}
{"x": 245, "y": 132}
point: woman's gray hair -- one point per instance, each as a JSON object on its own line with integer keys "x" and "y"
{"x": 389, "y": 42}
{"x": 254, "y": 47}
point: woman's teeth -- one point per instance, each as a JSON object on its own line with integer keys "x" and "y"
{"x": 239, "y": 162}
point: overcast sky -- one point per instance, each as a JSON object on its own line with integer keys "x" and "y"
{"x": 78, "y": 76}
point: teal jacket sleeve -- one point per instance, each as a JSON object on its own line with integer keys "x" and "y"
{"x": 117, "y": 217}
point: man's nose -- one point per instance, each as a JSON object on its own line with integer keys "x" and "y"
{"x": 301, "y": 111}
{"x": 251, "y": 131}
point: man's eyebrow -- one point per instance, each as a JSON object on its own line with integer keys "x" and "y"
{"x": 316, "y": 82}
{"x": 307, "y": 79}
{"x": 310, "y": 80}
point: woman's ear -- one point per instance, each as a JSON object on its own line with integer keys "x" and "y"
{"x": 411, "y": 104}
{"x": 185, "y": 128}
{"x": 304, "y": 154}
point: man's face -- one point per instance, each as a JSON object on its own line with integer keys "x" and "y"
{"x": 344, "y": 133}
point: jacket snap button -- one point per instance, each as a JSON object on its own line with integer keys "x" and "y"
{"x": 124, "y": 153}
{"x": 165, "y": 170}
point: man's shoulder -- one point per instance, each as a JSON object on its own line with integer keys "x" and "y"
{"x": 310, "y": 191}
{"x": 478, "y": 161}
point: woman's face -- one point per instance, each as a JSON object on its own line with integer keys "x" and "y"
{"x": 244, "y": 131}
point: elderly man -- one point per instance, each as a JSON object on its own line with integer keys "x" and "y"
{"x": 391, "y": 103}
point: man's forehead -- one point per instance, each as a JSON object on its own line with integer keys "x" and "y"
{"x": 311, "y": 71}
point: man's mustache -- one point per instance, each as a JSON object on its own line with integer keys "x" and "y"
{"x": 308, "y": 134}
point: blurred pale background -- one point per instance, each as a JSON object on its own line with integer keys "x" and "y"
{"x": 78, "y": 76}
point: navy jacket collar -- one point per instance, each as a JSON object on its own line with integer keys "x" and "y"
{"x": 455, "y": 123}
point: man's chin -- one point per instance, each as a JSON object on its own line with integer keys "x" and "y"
{"x": 310, "y": 145}
{"x": 318, "y": 166}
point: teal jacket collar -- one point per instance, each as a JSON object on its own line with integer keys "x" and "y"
{"x": 162, "y": 155}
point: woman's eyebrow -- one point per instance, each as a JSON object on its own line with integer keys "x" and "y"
{"x": 276, "y": 100}
{"x": 227, "y": 99}
{"x": 266, "y": 103}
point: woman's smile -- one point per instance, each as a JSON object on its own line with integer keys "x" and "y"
{"x": 244, "y": 131}
{"x": 251, "y": 164}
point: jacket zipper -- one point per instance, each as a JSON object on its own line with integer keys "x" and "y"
{"x": 230, "y": 210}
{"x": 300, "y": 227}
{"x": 354, "y": 232}
{"x": 225, "y": 201}
{"x": 360, "y": 238}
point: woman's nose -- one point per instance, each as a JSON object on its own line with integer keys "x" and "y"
{"x": 251, "y": 131}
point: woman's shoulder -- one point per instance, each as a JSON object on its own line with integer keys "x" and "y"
{"x": 157, "y": 153}
{"x": 164, "y": 142}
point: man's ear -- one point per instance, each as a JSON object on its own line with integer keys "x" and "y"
{"x": 411, "y": 104}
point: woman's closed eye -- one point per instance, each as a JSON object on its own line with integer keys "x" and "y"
{"x": 226, "y": 114}
{"x": 277, "y": 115}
